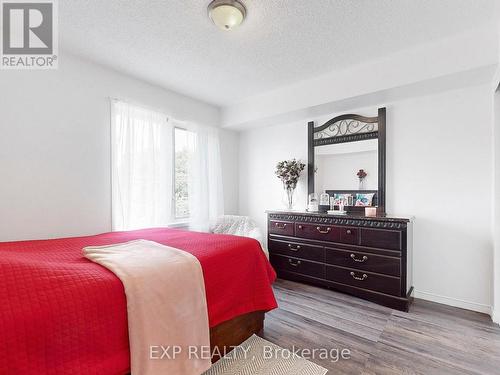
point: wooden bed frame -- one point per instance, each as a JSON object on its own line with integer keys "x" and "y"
{"x": 233, "y": 332}
{"x": 229, "y": 334}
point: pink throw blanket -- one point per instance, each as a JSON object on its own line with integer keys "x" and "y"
{"x": 166, "y": 305}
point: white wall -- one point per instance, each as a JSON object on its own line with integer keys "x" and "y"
{"x": 260, "y": 150}
{"x": 439, "y": 163}
{"x": 496, "y": 220}
{"x": 55, "y": 146}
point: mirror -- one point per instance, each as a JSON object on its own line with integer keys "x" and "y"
{"x": 347, "y": 161}
{"x": 337, "y": 166}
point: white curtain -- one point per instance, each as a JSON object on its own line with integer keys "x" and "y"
{"x": 143, "y": 170}
{"x": 206, "y": 199}
{"x": 141, "y": 167}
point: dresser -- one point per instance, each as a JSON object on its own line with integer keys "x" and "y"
{"x": 370, "y": 258}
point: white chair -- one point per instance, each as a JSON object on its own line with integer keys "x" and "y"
{"x": 239, "y": 226}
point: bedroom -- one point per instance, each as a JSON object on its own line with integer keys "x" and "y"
{"x": 154, "y": 123}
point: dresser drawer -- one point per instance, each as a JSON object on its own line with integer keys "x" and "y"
{"x": 364, "y": 261}
{"x": 285, "y": 228}
{"x": 301, "y": 266}
{"x": 349, "y": 235}
{"x": 364, "y": 279}
{"x": 318, "y": 232}
{"x": 297, "y": 250}
{"x": 381, "y": 238}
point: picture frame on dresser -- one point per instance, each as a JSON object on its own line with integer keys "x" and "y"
{"x": 367, "y": 257}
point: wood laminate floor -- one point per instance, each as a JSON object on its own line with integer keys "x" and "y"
{"x": 430, "y": 339}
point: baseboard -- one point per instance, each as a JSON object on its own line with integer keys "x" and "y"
{"x": 495, "y": 316}
{"x": 455, "y": 302}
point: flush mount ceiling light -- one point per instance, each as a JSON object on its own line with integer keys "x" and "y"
{"x": 226, "y": 14}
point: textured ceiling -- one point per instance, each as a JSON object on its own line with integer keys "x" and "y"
{"x": 172, "y": 43}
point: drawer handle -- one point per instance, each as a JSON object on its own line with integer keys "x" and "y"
{"x": 363, "y": 278}
{"x": 294, "y": 264}
{"x": 296, "y": 248}
{"x": 277, "y": 225}
{"x": 300, "y": 227}
{"x": 348, "y": 231}
{"x": 362, "y": 260}
{"x": 323, "y": 231}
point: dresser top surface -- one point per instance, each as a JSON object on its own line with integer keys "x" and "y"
{"x": 353, "y": 216}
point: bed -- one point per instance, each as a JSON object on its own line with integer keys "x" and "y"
{"x": 63, "y": 314}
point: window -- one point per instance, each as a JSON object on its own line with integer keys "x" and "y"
{"x": 162, "y": 172}
{"x": 184, "y": 141}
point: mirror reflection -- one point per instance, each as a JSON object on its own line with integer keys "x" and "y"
{"x": 346, "y": 166}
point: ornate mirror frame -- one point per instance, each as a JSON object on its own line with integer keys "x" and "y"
{"x": 350, "y": 128}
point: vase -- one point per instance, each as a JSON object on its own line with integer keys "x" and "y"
{"x": 290, "y": 190}
{"x": 361, "y": 184}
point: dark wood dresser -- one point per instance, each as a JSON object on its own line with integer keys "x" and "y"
{"x": 370, "y": 258}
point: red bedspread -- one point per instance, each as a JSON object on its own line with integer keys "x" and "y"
{"x": 62, "y": 314}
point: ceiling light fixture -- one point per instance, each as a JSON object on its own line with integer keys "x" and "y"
{"x": 227, "y": 14}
